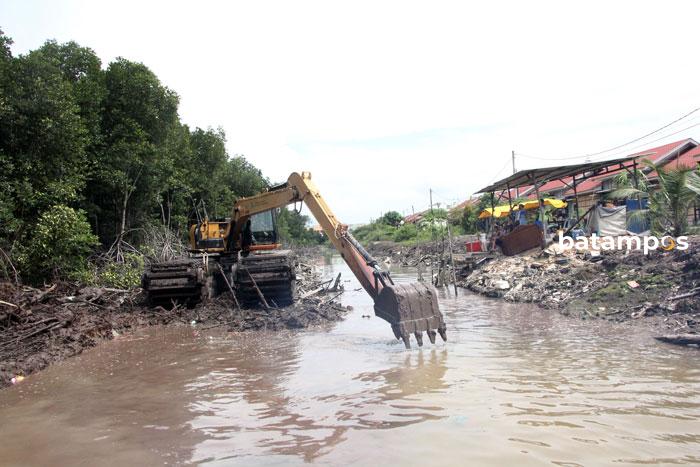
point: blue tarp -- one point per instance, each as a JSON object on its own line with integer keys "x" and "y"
{"x": 637, "y": 225}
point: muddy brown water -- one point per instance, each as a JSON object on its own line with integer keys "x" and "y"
{"x": 514, "y": 385}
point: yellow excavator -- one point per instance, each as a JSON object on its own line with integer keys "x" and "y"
{"x": 243, "y": 252}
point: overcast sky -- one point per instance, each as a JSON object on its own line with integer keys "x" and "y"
{"x": 383, "y": 100}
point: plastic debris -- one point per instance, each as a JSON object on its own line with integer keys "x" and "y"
{"x": 17, "y": 379}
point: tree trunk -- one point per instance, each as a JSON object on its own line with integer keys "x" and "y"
{"x": 122, "y": 228}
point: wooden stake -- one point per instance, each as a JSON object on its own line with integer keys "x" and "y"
{"x": 230, "y": 289}
{"x": 257, "y": 289}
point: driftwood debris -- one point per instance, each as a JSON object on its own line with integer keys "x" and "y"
{"x": 692, "y": 293}
{"x": 680, "y": 339}
{"x": 336, "y": 284}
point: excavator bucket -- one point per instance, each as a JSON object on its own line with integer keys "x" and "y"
{"x": 411, "y": 309}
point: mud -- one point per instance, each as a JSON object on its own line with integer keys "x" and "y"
{"x": 41, "y": 327}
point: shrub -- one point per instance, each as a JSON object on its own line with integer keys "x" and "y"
{"x": 122, "y": 275}
{"x": 391, "y": 218}
{"x": 406, "y": 232}
{"x": 58, "y": 246}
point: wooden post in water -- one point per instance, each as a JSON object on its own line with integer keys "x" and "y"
{"x": 452, "y": 260}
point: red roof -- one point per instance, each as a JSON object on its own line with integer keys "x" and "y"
{"x": 464, "y": 204}
{"x": 656, "y": 155}
{"x": 687, "y": 159}
{"x": 413, "y": 218}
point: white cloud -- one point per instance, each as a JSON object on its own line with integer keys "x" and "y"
{"x": 382, "y": 100}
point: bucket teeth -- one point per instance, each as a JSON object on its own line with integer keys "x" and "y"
{"x": 419, "y": 338}
{"x": 411, "y": 309}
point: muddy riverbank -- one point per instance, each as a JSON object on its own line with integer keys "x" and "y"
{"x": 39, "y": 327}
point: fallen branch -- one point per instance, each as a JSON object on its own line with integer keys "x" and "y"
{"x": 692, "y": 293}
{"x": 9, "y": 261}
{"x": 336, "y": 284}
{"x": 680, "y": 339}
{"x": 329, "y": 300}
{"x": 315, "y": 291}
{"x": 43, "y": 294}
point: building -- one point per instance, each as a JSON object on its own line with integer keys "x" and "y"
{"x": 685, "y": 152}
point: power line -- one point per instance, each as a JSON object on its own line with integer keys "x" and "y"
{"x": 581, "y": 156}
{"x": 499, "y": 171}
{"x": 628, "y": 150}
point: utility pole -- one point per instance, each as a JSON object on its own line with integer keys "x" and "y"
{"x": 512, "y": 155}
{"x": 431, "y": 200}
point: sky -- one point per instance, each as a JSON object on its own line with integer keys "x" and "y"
{"x": 384, "y": 101}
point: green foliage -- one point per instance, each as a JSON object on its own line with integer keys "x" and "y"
{"x": 435, "y": 216}
{"x": 122, "y": 275}
{"x": 465, "y": 220}
{"x": 293, "y": 229}
{"x": 391, "y": 218}
{"x": 669, "y": 202}
{"x": 57, "y": 246}
{"x": 106, "y": 144}
{"x": 42, "y": 143}
{"x": 375, "y": 231}
{"x": 406, "y": 233}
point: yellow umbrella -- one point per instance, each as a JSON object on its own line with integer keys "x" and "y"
{"x": 500, "y": 211}
{"x": 555, "y": 203}
{"x": 504, "y": 210}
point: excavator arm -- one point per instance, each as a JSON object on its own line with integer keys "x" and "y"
{"x": 409, "y": 308}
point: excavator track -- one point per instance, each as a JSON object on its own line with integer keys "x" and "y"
{"x": 179, "y": 281}
{"x": 271, "y": 274}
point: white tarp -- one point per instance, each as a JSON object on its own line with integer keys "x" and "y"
{"x": 608, "y": 221}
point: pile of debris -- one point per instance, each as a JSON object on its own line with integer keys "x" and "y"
{"x": 42, "y": 326}
{"x": 614, "y": 285}
{"x": 425, "y": 253}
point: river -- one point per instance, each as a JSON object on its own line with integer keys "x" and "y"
{"x": 514, "y": 385}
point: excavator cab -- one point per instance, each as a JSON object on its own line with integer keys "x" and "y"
{"x": 263, "y": 227}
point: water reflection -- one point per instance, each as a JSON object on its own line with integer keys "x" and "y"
{"x": 248, "y": 406}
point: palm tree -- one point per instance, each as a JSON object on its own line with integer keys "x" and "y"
{"x": 669, "y": 202}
